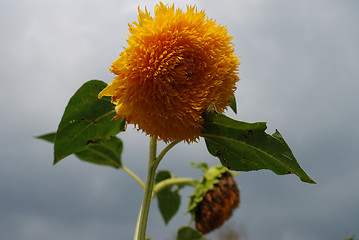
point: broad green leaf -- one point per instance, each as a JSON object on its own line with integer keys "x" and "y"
{"x": 245, "y": 146}
{"x": 168, "y": 201}
{"x": 107, "y": 152}
{"x": 233, "y": 104}
{"x": 86, "y": 120}
{"x": 188, "y": 233}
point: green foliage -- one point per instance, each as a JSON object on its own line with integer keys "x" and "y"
{"x": 245, "y": 146}
{"x": 106, "y": 152}
{"x": 86, "y": 121}
{"x": 49, "y": 137}
{"x": 88, "y": 129}
{"x": 211, "y": 176}
{"x": 349, "y": 238}
{"x": 169, "y": 201}
{"x": 233, "y": 104}
{"x": 188, "y": 233}
{"x": 201, "y": 165}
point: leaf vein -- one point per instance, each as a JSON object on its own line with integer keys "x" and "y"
{"x": 243, "y": 143}
{"x": 86, "y": 127}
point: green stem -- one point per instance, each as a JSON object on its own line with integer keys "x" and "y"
{"x": 151, "y": 173}
{"x": 174, "y": 181}
{"x": 164, "y": 151}
{"x": 153, "y": 163}
{"x": 134, "y": 176}
{"x": 128, "y": 171}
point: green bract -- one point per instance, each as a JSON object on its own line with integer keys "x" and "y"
{"x": 210, "y": 178}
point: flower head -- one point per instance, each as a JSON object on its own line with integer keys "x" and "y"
{"x": 176, "y": 64}
{"x": 217, "y": 205}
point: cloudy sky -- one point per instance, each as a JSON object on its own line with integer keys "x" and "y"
{"x": 299, "y": 72}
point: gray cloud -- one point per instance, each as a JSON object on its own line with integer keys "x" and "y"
{"x": 298, "y": 72}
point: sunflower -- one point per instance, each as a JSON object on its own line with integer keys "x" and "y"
{"x": 175, "y": 66}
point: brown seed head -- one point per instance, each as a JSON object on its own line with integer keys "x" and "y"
{"x": 217, "y": 205}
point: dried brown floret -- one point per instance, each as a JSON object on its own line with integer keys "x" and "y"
{"x": 217, "y": 205}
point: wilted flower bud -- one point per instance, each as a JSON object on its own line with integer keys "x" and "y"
{"x": 217, "y": 204}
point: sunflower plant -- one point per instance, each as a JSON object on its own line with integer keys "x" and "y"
{"x": 173, "y": 82}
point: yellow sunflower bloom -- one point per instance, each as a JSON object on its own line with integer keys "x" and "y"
{"x": 175, "y": 66}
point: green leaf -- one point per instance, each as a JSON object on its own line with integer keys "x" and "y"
{"x": 106, "y": 152}
{"x": 50, "y": 137}
{"x": 86, "y": 120}
{"x": 168, "y": 201}
{"x": 245, "y": 146}
{"x": 163, "y": 175}
{"x": 233, "y": 104}
{"x": 188, "y": 233}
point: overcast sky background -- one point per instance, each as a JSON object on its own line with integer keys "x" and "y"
{"x": 299, "y": 72}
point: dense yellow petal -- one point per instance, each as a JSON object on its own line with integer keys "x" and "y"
{"x": 176, "y": 64}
